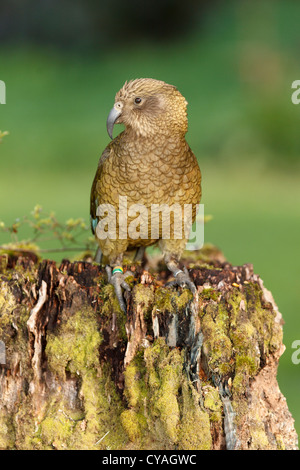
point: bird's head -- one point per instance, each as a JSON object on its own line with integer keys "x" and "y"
{"x": 149, "y": 107}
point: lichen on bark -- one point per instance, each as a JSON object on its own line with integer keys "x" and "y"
{"x": 176, "y": 372}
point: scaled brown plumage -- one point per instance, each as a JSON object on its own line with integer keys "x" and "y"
{"x": 150, "y": 163}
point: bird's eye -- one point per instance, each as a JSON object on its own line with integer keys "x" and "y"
{"x": 138, "y": 100}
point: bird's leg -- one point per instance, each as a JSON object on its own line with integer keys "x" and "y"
{"x": 182, "y": 277}
{"x": 117, "y": 277}
{"x": 139, "y": 255}
{"x": 98, "y": 255}
{"x": 172, "y": 250}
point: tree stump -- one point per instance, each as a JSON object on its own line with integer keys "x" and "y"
{"x": 176, "y": 372}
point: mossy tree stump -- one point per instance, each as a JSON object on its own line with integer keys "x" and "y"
{"x": 176, "y": 372}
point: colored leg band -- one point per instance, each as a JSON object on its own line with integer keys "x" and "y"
{"x": 177, "y": 272}
{"x": 117, "y": 269}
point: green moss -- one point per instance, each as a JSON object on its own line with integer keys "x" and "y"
{"x": 212, "y": 399}
{"x": 259, "y": 439}
{"x": 23, "y": 276}
{"x": 254, "y": 335}
{"x": 163, "y": 409}
{"x": 209, "y": 294}
{"x": 244, "y": 337}
{"x": 205, "y": 255}
{"x": 212, "y": 403}
{"x": 56, "y": 429}
{"x": 143, "y": 295}
{"x": 263, "y": 319}
{"x": 26, "y": 426}
{"x": 130, "y": 281}
{"x": 7, "y": 431}
{"x": 239, "y": 383}
{"x": 110, "y": 301}
{"x": 184, "y": 298}
{"x": 164, "y": 299}
{"x": 73, "y": 349}
{"x": 133, "y": 419}
{"x": 157, "y": 389}
{"x": 134, "y": 424}
{"x": 246, "y": 364}
{"x": 3, "y": 263}
{"x": 102, "y": 410}
{"x": 7, "y": 306}
{"x": 152, "y": 388}
{"x": 251, "y": 326}
{"x": 194, "y": 431}
{"x": 15, "y": 248}
{"x": 280, "y": 442}
{"x": 165, "y": 403}
{"x": 239, "y": 331}
{"x": 135, "y": 391}
{"x": 13, "y": 331}
{"x": 217, "y": 345}
{"x": 168, "y": 300}
{"x": 111, "y": 307}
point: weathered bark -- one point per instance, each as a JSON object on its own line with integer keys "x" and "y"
{"x": 175, "y": 373}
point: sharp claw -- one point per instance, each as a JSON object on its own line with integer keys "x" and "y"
{"x": 192, "y": 287}
{"x": 171, "y": 284}
{"x": 118, "y": 281}
{"x": 108, "y": 272}
{"x": 125, "y": 286}
{"x": 121, "y": 302}
{"x": 127, "y": 274}
{"x": 183, "y": 279}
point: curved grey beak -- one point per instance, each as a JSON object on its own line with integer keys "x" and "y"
{"x": 112, "y": 117}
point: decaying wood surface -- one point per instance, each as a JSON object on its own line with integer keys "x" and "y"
{"x": 176, "y": 372}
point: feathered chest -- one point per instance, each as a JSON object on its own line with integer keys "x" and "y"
{"x": 149, "y": 173}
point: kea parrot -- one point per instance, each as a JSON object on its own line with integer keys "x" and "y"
{"x": 147, "y": 168}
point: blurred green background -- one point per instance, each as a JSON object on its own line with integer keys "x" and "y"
{"x": 234, "y": 61}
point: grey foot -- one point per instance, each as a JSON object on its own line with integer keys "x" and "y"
{"x": 98, "y": 255}
{"x": 182, "y": 279}
{"x": 139, "y": 255}
{"x": 118, "y": 281}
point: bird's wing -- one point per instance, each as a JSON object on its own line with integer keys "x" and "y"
{"x": 93, "y": 201}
